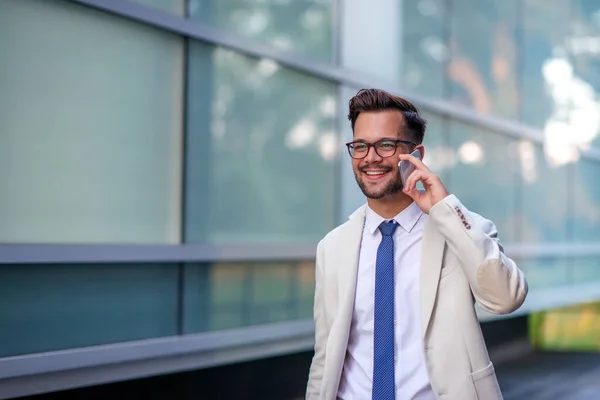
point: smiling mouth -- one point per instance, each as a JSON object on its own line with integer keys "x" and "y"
{"x": 375, "y": 174}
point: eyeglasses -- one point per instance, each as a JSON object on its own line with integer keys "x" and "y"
{"x": 383, "y": 148}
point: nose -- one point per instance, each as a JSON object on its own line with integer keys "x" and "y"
{"x": 372, "y": 156}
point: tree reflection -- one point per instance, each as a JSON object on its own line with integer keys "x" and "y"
{"x": 271, "y": 138}
{"x": 306, "y": 27}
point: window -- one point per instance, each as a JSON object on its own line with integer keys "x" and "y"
{"x": 484, "y": 176}
{"x": 482, "y": 69}
{"x": 261, "y": 151}
{"x": 586, "y": 208}
{"x": 403, "y": 45}
{"x": 84, "y": 305}
{"x": 231, "y": 295}
{"x": 305, "y": 27}
{"x": 90, "y": 125}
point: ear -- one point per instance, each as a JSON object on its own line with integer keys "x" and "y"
{"x": 421, "y": 149}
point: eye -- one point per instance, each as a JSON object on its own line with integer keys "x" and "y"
{"x": 359, "y": 146}
{"x": 386, "y": 145}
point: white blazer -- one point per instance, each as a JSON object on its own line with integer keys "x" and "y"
{"x": 461, "y": 262}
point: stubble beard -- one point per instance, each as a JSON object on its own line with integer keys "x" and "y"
{"x": 393, "y": 186}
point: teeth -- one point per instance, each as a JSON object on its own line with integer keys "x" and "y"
{"x": 375, "y": 172}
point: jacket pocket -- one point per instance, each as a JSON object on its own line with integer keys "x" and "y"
{"x": 485, "y": 384}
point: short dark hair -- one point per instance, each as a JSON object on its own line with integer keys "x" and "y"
{"x": 380, "y": 100}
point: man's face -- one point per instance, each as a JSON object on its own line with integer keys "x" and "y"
{"x": 377, "y": 176}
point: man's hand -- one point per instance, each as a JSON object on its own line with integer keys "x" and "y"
{"x": 435, "y": 191}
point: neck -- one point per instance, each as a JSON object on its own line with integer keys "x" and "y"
{"x": 391, "y": 205}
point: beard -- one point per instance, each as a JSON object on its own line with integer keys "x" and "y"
{"x": 393, "y": 186}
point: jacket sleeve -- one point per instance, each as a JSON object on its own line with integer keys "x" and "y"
{"x": 313, "y": 391}
{"x": 498, "y": 285}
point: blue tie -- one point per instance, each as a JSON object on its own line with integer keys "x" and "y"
{"x": 383, "y": 328}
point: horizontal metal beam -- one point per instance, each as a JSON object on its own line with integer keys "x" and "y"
{"x": 543, "y": 299}
{"x": 90, "y": 253}
{"x": 190, "y": 253}
{"x": 53, "y": 371}
{"x": 552, "y": 250}
{"x": 330, "y": 72}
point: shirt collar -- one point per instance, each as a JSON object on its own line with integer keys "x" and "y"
{"x": 407, "y": 219}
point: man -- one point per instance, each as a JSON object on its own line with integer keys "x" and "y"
{"x": 395, "y": 285}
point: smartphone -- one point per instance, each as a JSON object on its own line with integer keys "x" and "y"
{"x": 406, "y": 167}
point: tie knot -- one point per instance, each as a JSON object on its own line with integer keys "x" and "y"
{"x": 387, "y": 228}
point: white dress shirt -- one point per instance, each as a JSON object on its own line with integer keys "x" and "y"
{"x": 412, "y": 381}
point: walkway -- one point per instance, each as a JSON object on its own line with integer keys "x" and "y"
{"x": 551, "y": 376}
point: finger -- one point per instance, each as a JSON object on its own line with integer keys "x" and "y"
{"x": 415, "y": 195}
{"x": 413, "y": 178}
{"x": 414, "y": 161}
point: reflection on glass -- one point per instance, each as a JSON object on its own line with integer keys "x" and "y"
{"x": 232, "y": 295}
{"x": 306, "y": 288}
{"x": 544, "y": 196}
{"x": 261, "y": 151}
{"x": 56, "y": 307}
{"x": 584, "y": 48}
{"x": 439, "y": 156}
{"x": 90, "y": 138}
{"x": 558, "y": 91}
{"x": 585, "y": 270}
{"x": 403, "y": 45}
{"x": 424, "y": 51}
{"x": 305, "y": 27}
{"x": 273, "y": 293}
{"x": 586, "y": 218}
{"x": 484, "y": 176}
{"x": 544, "y": 32}
{"x": 482, "y": 69}
{"x": 546, "y": 272}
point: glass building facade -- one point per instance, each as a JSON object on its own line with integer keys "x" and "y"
{"x": 168, "y": 166}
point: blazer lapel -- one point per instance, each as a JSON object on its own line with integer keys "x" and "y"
{"x": 347, "y": 260}
{"x": 431, "y": 264}
{"x": 346, "y": 264}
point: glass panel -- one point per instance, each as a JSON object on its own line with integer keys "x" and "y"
{"x": 584, "y": 49}
{"x": 176, "y": 7}
{"x": 90, "y": 137}
{"x": 585, "y": 270}
{"x": 423, "y": 47}
{"x": 544, "y": 196}
{"x": 261, "y": 152}
{"x": 54, "y": 307}
{"x": 274, "y": 293}
{"x": 545, "y": 272}
{"x": 306, "y": 27}
{"x": 545, "y": 76}
{"x": 560, "y": 77}
{"x": 232, "y": 295}
{"x": 404, "y": 47}
{"x": 587, "y": 202}
{"x": 306, "y": 288}
{"x": 482, "y": 69}
{"x": 484, "y": 176}
{"x": 439, "y": 156}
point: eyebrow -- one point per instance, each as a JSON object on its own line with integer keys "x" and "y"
{"x": 385, "y": 138}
